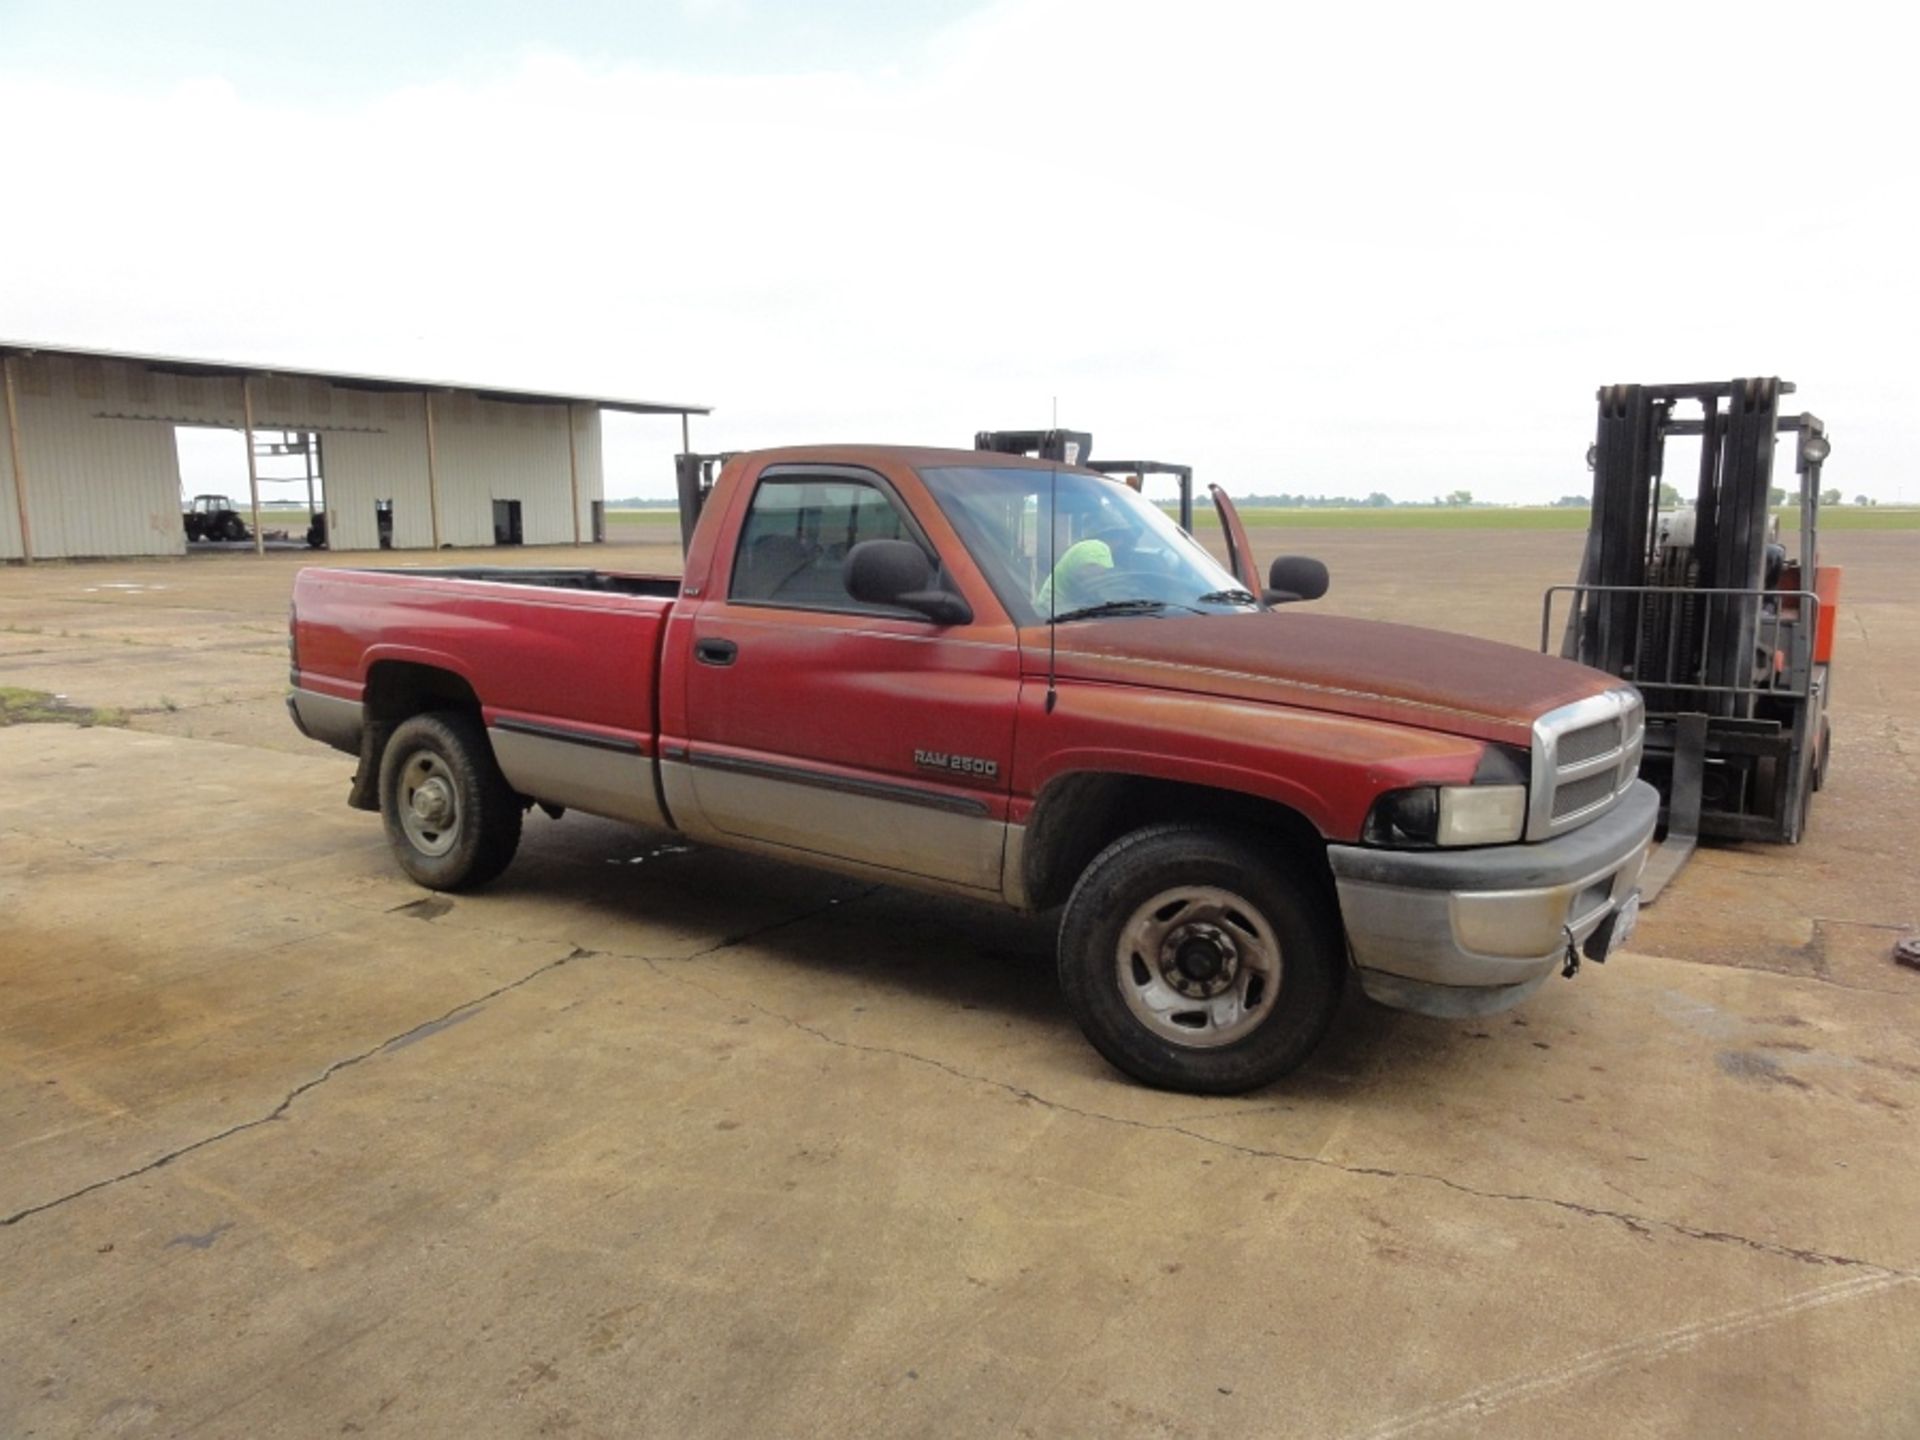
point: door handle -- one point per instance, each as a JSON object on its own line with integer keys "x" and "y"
{"x": 715, "y": 652}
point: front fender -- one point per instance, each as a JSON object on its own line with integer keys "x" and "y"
{"x": 1328, "y": 767}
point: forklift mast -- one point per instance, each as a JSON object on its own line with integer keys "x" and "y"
{"x": 693, "y": 479}
{"x": 1075, "y": 447}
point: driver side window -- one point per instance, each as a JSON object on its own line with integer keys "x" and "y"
{"x": 797, "y": 534}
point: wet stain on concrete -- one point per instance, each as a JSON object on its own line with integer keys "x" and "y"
{"x": 430, "y": 908}
{"x": 1745, "y": 1065}
{"x": 201, "y": 1242}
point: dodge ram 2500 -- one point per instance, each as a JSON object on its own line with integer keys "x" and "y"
{"x": 1017, "y": 681}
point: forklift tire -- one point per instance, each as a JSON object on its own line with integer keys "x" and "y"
{"x": 1820, "y": 755}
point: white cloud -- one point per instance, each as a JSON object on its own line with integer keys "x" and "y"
{"x": 1314, "y": 248}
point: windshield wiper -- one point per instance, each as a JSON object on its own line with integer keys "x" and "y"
{"x": 1111, "y": 607}
{"x": 1235, "y": 596}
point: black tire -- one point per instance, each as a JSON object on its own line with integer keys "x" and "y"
{"x": 1291, "y": 906}
{"x": 480, "y": 832}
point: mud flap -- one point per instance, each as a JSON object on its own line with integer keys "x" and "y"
{"x": 365, "y": 794}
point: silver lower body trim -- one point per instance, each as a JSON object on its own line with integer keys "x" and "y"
{"x": 594, "y": 779}
{"x": 327, "y": 718}
{"x": 855, "y": 834}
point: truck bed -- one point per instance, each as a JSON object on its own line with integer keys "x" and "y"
{"x": 606, "y": 582}
{"x": 567, "y": 660}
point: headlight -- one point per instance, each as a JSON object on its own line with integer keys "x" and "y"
{"x": 1448, "y": 815}
{"x": 1482, "y": 814}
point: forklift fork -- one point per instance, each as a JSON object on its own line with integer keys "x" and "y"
{"x": 1683, "y": 807}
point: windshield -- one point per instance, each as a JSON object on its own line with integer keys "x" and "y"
{"x": 1109, "y": 550}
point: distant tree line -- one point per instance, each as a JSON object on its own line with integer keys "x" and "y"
{"x": 1670, "y": 499}
{"x": 1375, "y": 501}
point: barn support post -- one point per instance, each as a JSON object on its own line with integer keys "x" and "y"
{"x": 573, "y": 470}
{"x": 433, "y": 474}
{"x": 19, "y": 475}
{"x": 253, "y": 464}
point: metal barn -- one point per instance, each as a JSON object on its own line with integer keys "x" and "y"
{"x": 89, "y": 464}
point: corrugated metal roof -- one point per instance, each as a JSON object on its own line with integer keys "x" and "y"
{"x": 184, "y": 365}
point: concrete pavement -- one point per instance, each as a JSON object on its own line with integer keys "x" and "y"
{"x": 647, "y": 1140}
{"x": 655, "y": 1141}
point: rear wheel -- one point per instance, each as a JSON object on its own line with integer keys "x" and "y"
{"x": 1195, "y": 961}
{"x": 451, "y": 818}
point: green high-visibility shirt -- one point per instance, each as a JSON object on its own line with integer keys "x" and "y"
{"x": 1086, "y": 552}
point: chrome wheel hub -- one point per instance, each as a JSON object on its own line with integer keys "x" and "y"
{"x": 429, "y": 804}
{"x": 432, "y": 803}
{"x": 1199, "y": 960}
{"x": 1199, "y": 966}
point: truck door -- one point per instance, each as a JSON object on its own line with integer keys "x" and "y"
{"x": 1239, "y": 548}
{"x": 822, "y": 725}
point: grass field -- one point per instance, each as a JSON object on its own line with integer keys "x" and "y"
{"x": 1439, "y": 517}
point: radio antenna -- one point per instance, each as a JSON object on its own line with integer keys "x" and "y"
{"x": 1053, "y": 544}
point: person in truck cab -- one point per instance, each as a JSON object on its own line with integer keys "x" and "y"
{"x": 1076, "y": 579}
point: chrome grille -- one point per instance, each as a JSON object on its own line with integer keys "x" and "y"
{"x": 1579, "y": 794}
{"x": 1585, "y": 755}
{"x": 1589, "y": 742}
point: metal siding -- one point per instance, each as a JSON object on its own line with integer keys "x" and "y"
{"x": 486, "y": 450}
{"x": 360, "y": 468}
{"x": 94, "y": 486}
{"x": 586, "y": 432}
{"x": 9, "y": 508}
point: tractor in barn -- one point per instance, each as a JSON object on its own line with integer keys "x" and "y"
{"x": 212, "y": 517}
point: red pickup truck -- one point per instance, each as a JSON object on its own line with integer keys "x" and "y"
{"x": 1017, "y": 681}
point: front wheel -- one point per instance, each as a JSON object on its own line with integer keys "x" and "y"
{"x": 1194, "y": 961}
{"x": 451, "y": 818}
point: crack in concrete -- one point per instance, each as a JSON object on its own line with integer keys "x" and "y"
{"x": 404, "y": 1038}
{"x": 653, "y": 962}
{"x": 423, "y": 1030}
{"x": 1643, "y": 1225}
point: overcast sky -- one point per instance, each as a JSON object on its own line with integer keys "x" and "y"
{"x": 1319, "y": 248}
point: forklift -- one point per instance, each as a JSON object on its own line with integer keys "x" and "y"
{"x": 1293, "y": 578}
{"x": 694, "y": 474}
{"x": 1075, "y": 447}
{"x": 693, "y": 477}
{"x": 1727, "y": 638}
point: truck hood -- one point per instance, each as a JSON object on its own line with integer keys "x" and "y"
{"x": 1397, "y": 673}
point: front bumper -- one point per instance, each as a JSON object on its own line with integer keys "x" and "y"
{"x": 1469, "y": 932}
